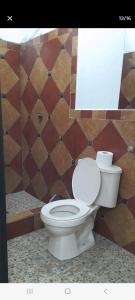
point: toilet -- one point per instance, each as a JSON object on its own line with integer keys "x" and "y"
{"x": 70, "y": 222}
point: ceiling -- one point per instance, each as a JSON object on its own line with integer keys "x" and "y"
{"x": 21, "y": 35}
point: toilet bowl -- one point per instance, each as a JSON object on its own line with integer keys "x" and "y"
{"x": 70, "y": 221}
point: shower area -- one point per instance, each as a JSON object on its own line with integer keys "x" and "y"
{"x": 35, "y": 97}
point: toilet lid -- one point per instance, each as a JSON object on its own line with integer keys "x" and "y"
{"x": 86, "y": 180}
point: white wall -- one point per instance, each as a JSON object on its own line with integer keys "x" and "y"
{"x": 99, "y": 66}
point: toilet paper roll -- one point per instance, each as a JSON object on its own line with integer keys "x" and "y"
{"x": 104, "y": 159}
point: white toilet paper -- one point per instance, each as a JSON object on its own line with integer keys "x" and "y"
{"x": 104, "y": 159}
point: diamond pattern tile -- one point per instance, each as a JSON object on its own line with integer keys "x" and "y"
{"x": 49, "y": 173}
{"x": 75, "y": 140}
{"x": 8, "y": 76}
{"x": 39, "y": 152}
{"x": 9, "y": 114}
{"x": 128, "y": 85}
{"x": 59, "y": 189}
{"x": 29, "y": 96}
{"x": 14, "y": 96}
{"x": 30, "y": 133}
{"x": 44, "y": 86}
{"x": 50, "y": 95}
{"x": 60, "y": 117}
{"x": 109, "y": 139}
{"x": 12, "y": 179}
{"x": 28, "y": 57}
{"x": 39, "y": 185}
{"x": 24, "y": 79}
{"x": 13, "y": 59}
{"x": 11, "y": 148}
{"x": 39, "y": 108}
{"x": 49, "y": 131}
{"x": 48, "y": 54}
{"x": 116, "y": 219}
{"x": 62, "y": 70}
{"x": 127, "y": 185}
{"x": 30, "y": 166}
{"x": 91, "y": 128}
{"x": 126, "y": 130}
{"x": 38, "y": 82}
{"x": 61, "y": 158}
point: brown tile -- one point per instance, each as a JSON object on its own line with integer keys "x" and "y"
{"x": 24, "y": 115}
{"x": 8, "y": 76}
{"x": 126, "y": 130}
{"x": 75, "y": 140}
{"x": 37, "y": 222}
{"x": 25, "y": 148}
{"x": 28, "y": 57}
{"x": 63, "y": 37}
{"x": 52, "y": 34}
{"x": 26, "y": 179}
{"x": 16, "y": 216}
{"x": 30, "y": 166}
{"x": 86, "y": 114}
{"x": 13, "y": 59}
{"x": 88, "y": 152}
{"x": 11, "y": 149}
{"x": 74, "y": 45}
{"x": 14, "y": 96}
{"x": 50, "y": 95}
{"x": 67, "y": 179}
{"x": 29, "y": 96}
{"x": 49, "y": 131}
{"x": 128, "y": 115}
{"x": 131, "y": 205}
{"x": 128, "y": 85}
{"x": 110, "y": 140}
{"x": 59, "y": 189}
{"x": 114, "y": 115}
{"x": 121, "y": 224}
{"x": 15, "y": 131}
{"x": 39, "y": 75}
{"x": 39, "y": 108}
{"x": 62, "y": 70}
{"x": 16, "y": 163}
{"x": 91, "y": 128}
{"x": 99, "y": 114}
{"x": 20, "y": 227}
{"x": 74, "y": 114}
{"x": 73, "y": 84}
{"x": 127, "y": 184}
{"x": 60, "y": 117}
{"x": 49, "y": 52}
{"x": 9, "y": 114}
{"x": 39, "y": 185}
{"x": 101, "y": 228}
{"x": 61, "y": 158}
{"x": 49, "y": 172}
{"x": 23, "y": 79}
{"x": 12, "y": 179}
{"x": 30, "y": 133}
{"x": 39, "y": 152}
{"x": 122, "y": 101}
{"x": 130, "y": 247}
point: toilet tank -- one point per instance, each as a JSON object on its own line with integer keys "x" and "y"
{"x": 108, "y": 193}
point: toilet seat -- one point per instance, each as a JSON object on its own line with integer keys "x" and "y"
{"x": 78, "y": 204}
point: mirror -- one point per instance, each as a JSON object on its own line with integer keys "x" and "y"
{"x": 105, "y": 69}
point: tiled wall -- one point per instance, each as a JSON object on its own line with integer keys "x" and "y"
{"x": 51, "y": 146}
{"x": 11, "y": 114}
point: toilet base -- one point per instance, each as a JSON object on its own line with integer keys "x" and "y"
{"x": 67, "y": 247}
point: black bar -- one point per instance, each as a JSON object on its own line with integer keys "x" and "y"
{"x": 3, "y": 238}
{"x": 71, "y": 19}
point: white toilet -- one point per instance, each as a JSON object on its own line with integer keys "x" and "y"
{"x": 70, "y": 221}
